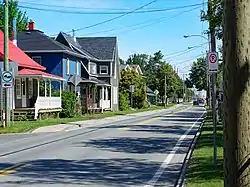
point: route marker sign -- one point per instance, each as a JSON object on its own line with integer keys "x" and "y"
{"x": 6, "y": 79}
{"x": 213, "y": 61}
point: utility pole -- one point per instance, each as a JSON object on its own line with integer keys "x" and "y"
{"x": 165, "y": 89}
{"x": 213, "y": 75}
{"x": 236, "y": 119}
{"x": 6, "y": 60}
{"x": 183, "y": 87}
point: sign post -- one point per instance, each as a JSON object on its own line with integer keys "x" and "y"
{"x": 132, "y": 90}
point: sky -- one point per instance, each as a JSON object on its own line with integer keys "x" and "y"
{"x": 136, "y": 33}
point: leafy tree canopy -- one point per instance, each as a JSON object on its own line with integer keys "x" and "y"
{"x": 14, "y": 12}
{"x": 139, "y": 59}
{"x": 198, "y": 74}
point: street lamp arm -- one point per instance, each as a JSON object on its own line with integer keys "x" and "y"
{"x": 193, "y": 35}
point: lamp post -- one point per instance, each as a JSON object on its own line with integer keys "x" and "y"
{"x": 209, "y": 50}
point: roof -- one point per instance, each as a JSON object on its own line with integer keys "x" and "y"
{"x": 73, "y": 44}
{"x": 17, "y": 55}
{"x": 149, "y": 90}
{"x": 75, "y": 79}
{"x": 35, "y": 41}
{"x": 38, "y": 73}
{"x": 103, "y": 48}
{"x": 124, "y": 66}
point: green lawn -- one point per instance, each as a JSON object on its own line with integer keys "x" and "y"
{"x": 26, "y": 126}
{"x": 201, "y": 172}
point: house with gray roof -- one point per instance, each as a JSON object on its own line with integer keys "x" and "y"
{"x": 90, "y": 66}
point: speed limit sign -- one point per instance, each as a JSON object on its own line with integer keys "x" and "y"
{"x": 213, "y": 61}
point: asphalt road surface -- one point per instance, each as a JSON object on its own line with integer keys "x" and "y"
{"x": 142, "y": 152}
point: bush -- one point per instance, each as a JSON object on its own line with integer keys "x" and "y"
{"x": 123, "y": 101}
{"x": 68, "y": 104}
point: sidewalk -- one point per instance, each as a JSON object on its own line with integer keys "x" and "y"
{"x": 86, "y": 123}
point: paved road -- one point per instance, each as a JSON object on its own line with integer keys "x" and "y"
{"x": 138, "y": 152}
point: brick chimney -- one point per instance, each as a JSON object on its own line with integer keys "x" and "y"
{"x": 31, "y": 25}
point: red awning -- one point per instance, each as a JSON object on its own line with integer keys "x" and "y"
{"x": 38, "y": 74}
{"x": 17, "y": 55}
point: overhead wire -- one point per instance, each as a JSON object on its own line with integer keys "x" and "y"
{"x": 152, "y": 22}
{"x": 109, "y": 12}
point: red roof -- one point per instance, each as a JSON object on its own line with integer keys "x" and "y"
{"x": 32, "y": 72}
{"x": 17, "y": 55}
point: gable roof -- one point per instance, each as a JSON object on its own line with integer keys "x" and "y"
{"x": 37, "y": 41}
{"x": 102, "y": 48}
{"x": 136, "y": 67}
{"x": 69, "y": 41}
{"x": 17, "y": 55}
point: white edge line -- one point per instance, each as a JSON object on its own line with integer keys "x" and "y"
{"x": 163, "y": 166}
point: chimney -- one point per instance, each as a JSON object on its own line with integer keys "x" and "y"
{"x": 31, "y": 25}
{"x": 74, "y": 36}
{"x": 14, "y": 32}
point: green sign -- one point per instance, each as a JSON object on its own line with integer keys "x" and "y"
{"x": 7, "y": 79}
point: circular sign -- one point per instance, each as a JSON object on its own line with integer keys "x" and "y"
{"x": 7, "y": 76}
{"x": 212, "y": 58}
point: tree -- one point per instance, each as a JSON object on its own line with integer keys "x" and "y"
{"x": 198, "y": 75}
{"x": 236, "y": 76}
{"x": 139, "y": 59}
{"x": 14, "y": 12}
{"x": 188, "y": 83}
{"x": 131, "y": 77}
{"x": 121, "y": 61}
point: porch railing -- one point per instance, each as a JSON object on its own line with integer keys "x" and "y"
{"x": 47, "y": 103}
{"x": 105, "y": 104}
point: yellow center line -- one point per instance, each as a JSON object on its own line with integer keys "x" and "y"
{"x": 153, "y": 119}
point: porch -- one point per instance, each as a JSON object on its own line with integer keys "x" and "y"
{"x": 33, "y": 95}
{"x": 95, "y": 95}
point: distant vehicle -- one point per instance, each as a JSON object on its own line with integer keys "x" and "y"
{"x": 195, "y": 101}
{"x": 201, "y": 102}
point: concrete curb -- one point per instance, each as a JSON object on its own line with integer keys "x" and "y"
{"x": 181, "y": 179}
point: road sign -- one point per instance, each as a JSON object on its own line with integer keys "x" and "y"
{"x": 213, "y": 61}
{"x": 132, "y": 88}
{"x": 156, "y": 92}
{"x": 6, "y": 79}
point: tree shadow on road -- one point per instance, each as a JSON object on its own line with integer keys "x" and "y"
{"x": 100, "y": 172}
{"x": 160, "y": 145}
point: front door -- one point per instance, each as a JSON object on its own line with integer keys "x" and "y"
{"x": 24, "y": 94}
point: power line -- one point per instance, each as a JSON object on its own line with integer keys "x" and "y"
{"x": 152, "y": 22}
{"x": 146, "y": 24}
{"x": 110, "y": 12}
{"x": 160, "y": 20}
{"x": 192, "y": 58}
{"x": 117, "y": 17}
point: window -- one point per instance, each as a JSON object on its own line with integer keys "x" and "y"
{"x": 37, "y": 59}
{"x": 67, "y": 66}
{"x": 103, "y": 69}
{"x": 24, "y": 86}
{"x": 92, "y": 68}
{"x": 18, "y": 88}
{"x": 77, "y": 68}
{"x": 30, "y": 88}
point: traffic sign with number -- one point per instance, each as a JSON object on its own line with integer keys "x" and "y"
{"x": 213, "y": 60}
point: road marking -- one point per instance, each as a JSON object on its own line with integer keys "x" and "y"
{"x": 153, "y": 119}
{"x": 11, "y": 169}
{"x": 170, "y": 156}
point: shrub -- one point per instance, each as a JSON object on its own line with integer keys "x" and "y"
{"x": 68, "y": 104}
{"x": 123, "y": 101}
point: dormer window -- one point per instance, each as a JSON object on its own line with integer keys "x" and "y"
{"x": 103, "y": 69}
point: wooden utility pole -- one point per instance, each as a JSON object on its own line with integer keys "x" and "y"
{"x": 236, "y": 117}
{"x": 6, "y": 60}
{"x": 165, "y": 90}
{"x": 214, "y": 77}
